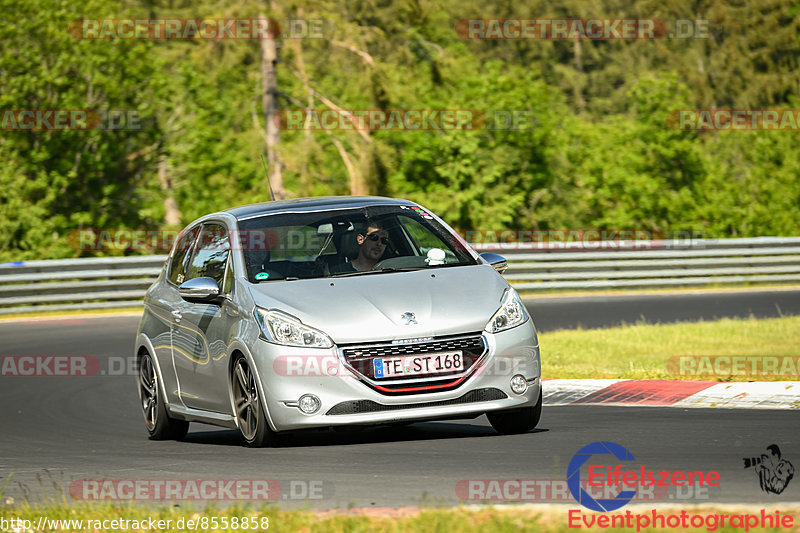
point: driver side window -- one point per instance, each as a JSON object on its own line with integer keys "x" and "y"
{"x": 177, "y": 267}
{"x": 211, "y": 254}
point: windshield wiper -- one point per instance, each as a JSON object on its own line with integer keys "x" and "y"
{"x": 379, "y": 271}
{"x": 450, "y": 265}
{"x": 356, "y": 273}
{"x": 400, "y": 269}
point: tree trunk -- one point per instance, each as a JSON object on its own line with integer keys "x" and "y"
{"x": 577, "y": 84}
{"x": 172, "y": 215}
{"x": 269, "y": 60}
{"x": 306, "y": 181}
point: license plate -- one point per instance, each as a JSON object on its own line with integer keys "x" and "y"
{"x": 416, "y": 365}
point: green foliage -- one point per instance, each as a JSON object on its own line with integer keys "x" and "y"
{"x": 596, "y": 151}
{"x": 56, "y": 181}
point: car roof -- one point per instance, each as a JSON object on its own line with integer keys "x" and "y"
{"x": 319, "y": 203}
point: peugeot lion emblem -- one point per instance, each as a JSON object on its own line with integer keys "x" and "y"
{"x": 409, "y": 317}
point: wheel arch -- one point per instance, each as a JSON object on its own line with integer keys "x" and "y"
{"x": 144, "y": 345}
{"x": 238, "y": 350}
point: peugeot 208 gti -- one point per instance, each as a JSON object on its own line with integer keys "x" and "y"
{"x": 326, "y": 312}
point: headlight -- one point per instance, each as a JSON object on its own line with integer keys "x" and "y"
{"x": 281, "y": 328}
{"x": 511, "y": 313}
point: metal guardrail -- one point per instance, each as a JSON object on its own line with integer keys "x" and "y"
{"x": 117, "y": 282}
{"x": 86, "y": 283}
{"x": 646, "y": 264}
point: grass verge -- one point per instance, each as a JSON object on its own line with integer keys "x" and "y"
{"x": 72, "y": 313}
{"x": 644, "y": 351}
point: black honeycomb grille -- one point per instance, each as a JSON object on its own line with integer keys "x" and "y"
{"x": 470, "y": 344}
{"x": 355, "y": 407}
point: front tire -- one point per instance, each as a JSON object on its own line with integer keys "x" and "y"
{"x": 158, "y": 423}
{"x": 248, "y": 408}
{"x": 516, "y": 421}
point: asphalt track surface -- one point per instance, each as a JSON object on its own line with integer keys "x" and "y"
{"x": 58, "y": 430}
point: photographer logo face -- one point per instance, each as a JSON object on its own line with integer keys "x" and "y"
{"x": 774, "y": 472}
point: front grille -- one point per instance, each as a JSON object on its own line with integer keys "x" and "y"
{"x": 355, "y": 407}
{"x": 360, "y": 359}
{"x": 472, "y": 343}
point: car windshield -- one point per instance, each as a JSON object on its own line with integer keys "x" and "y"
{"x": 302, "y": 245}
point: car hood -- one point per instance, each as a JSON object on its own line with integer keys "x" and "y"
{"x": 371, "y": 307}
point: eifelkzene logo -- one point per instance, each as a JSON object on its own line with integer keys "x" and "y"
{"x": 643, "y": 478}
{"x": 774, "y": 472}
{"x": 601, "y": 475}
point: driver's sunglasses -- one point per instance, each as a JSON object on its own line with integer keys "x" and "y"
{"x": 374, "y": 237}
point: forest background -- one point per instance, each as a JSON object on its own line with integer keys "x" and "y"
{"x": 596, "y": 148}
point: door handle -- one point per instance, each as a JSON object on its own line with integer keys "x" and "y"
{"x": 177, "y": 316}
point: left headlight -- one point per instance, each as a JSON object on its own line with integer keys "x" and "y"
{"x": 281, "y": 328}
{"x": 511, "y": 313}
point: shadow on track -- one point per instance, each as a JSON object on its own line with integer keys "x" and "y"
{"x": 349, "y": 436}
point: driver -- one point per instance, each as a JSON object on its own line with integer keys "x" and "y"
{"x": 371, "y": 245}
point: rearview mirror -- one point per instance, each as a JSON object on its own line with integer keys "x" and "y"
{"x": 200, "y": 290}
{"x": 498, "y": 262}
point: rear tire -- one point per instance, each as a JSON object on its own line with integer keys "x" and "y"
{"x": 151, "y": 399}
{"x": 247, "y": 406}
{"x": 517, "y": 420}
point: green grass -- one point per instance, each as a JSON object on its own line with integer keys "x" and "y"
{"x": 641, "y": 351}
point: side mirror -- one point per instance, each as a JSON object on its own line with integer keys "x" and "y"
{"x": 200, "y": 290}
{"x": 498, "y": 262}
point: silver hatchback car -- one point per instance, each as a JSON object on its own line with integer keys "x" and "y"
{"x": 326, "y": 312}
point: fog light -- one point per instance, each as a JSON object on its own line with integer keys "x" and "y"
{"x": 309, "y": 404}
{"x": 519, "y": 384}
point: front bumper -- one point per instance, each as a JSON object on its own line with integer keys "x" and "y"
{"x": 289, "y": 373}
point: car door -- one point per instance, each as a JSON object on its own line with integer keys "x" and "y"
{"x": 203, "y": 334}
{"x": 164, "y": 304}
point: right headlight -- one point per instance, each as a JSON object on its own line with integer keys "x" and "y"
{"x": 285, "y": 329}
{"x": 512, "y": 313}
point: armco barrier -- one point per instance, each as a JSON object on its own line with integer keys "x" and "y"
{"x": 678, "y": 263}
{"x": 86, "y": 283}
{"x": 116, "y": 282}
